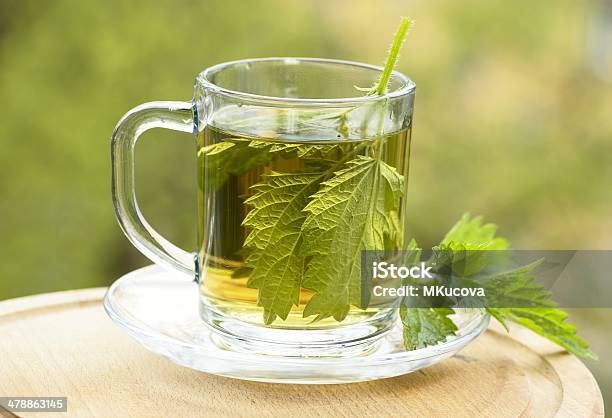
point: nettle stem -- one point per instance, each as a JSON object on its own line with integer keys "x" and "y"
{"x": 380, "y": 88}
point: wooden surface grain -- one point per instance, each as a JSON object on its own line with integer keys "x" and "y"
{"x": 63, "y": 344}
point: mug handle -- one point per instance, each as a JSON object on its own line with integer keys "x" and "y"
{"x": 177, "y": 116}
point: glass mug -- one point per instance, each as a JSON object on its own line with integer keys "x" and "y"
{"x": 298, "y": 172}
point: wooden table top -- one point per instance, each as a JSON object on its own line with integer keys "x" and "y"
{"x": 63, "y": 344}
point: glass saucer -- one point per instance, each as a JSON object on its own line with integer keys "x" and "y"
{"x": 160, "y": 310}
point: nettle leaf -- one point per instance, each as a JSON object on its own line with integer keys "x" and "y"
{"x": 514, "y": 288}
{"x": 469, "y": 234}
{"x": 237, "y": 156}
{"x": 423, "y": 327}
{"x": 549, "y": 323}
{"x": 232, "y": 156}
{"x": 300, "y": 150}
{"x": 426, "y": 326}
{"x": 347, "y": 215}
{"x": 275, "y": 238}
{"x": 306, "y": 150}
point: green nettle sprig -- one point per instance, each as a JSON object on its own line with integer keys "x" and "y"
{"x": 429, "y": 326}
{"x": 298, "y": 227}
{"x": 302, "y": 224}
{"x": 381, "y": 86}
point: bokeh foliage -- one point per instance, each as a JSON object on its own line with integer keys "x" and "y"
{"x": 511, "y": 120}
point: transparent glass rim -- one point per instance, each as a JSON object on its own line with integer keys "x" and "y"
{"x": 204, "y": 79}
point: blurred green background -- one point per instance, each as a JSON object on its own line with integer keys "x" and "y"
{"x": 513, "y": 120}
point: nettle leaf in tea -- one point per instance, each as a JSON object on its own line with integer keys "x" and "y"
{"x": 234, "y": 156}
{"x": 322, "y": 218}
{"x": 347, "y": 215}
{"x": 276, "y": 237}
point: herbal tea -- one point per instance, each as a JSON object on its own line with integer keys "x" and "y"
{"x": 298, "y": 174}
{"x": 283, "y": 217}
